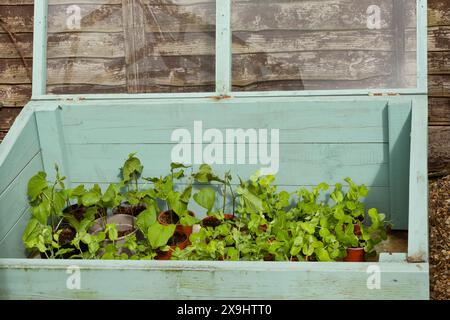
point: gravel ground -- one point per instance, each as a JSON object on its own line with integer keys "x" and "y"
{"x": 439, "y": 211}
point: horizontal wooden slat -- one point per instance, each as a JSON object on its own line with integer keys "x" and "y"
{"x": 439, "y": 111}
{"x": 15, "y": 95}
{"x": 300, "y": 164}
{"x": 439, "y": 62}
{"x": 439, "y": 150}
{"x": 199, "y": 15}
{"x": 7, "y": 116}
{"x": 45, "y": 279}
{"x": 439, "y": 38}
{"x": 438, "y": 13}
{"x": 348, "y": 121}
{"x": 13, "y": 71}
{"x": 439, "y": 85}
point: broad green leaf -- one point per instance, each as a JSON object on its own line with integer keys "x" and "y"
{"x": 113, "y": 234}
{"x": 206, "y": 198}
{"x": 146, "y": 218}
{"x": 158, "y": 235}
{"x": 90, "y": 198}
{"x": 132, "y": 168}
{"x": 36, "y": 185}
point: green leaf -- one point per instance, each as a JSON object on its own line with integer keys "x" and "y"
{"x": 113, "y": 234}
{"x": 188, "y": 220}
{"x": 146, "y": 218}
{"x": 132, "y": 168}
{"x": 42, "y": 212}
{"x": 186, "y": 194}
{"x": 176, "y": 165}
{"x": 322, "y": 254}
{"x": 175, "y": 203}
{"x": 90, "y": 198}
{"x": 36, "y": 185}
{"x": 253, "y": 204}
{"x": 206, "y": 198}
{"x": 158, "y": 235}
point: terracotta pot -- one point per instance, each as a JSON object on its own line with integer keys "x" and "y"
{"x": 187, "y": 230}
{"x": 166, "y": 255}
{"x": 355, "y": 255}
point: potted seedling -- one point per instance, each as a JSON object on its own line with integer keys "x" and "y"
{"x": 206, "y": 197}
{"x": 176, "y": 201}
{"x": 46, "y": 231}
{"x": 131, "y": 172}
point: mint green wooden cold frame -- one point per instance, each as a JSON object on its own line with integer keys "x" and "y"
{"x": 377, "y": 137}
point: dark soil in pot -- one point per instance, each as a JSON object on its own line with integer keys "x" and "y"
{"x": 76, "y": 211}
{"x": 132, "y": 210}
{"x": 170, "y": 217}
{"x": 65, "y": 237}
{"x": 213, "y": 222}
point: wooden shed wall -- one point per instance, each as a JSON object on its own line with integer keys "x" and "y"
{"x": 16, "y": 26}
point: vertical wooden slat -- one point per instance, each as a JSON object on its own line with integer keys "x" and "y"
{"x": 51, "y": 137}
{"x": 399, "y": 43}
{"x": 135, "y": 44}
{"x": 40, "y": 48}
{"x": 223, "y": 47}
{"x": 418, "y": 183}
{"x": 399, "y": 114}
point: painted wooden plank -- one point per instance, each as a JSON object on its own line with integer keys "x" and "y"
{"x": 399, "y": 155}
{"x": 299, "y": 164}
{"x": 223, "y": 47}
{"x": 418, "y": 183}
{"x": 41, "y": 279}
{"x": 14, "y": 200}
{"x": 349, "y": 121}
{"x": 40, "y": 48}
{"x": 18, "y": 148}
{"x": 51, "y": 137}
{"x": 12, "y": 246}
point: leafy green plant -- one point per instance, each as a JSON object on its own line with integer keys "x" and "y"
{"x": 176, "y": 201}
{"x": 47, "y": 201}
{"x": 206, "y": 197}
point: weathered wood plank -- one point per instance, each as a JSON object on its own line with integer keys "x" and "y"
{"x": 7, "y": 116}
{"x": 136, "y": 46}
{"x": 13, "y": 71}
{"x": 211, "y": 280}
{"x": 439, "y": 150}
{"x": 439, "y": 38}
{"x": 439, "y": 62}
{"x": 439, "y": 111}
{"x": 438, "y": 13}
{"x": 439, "y": 85}
{"x": 15, "y": 96}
